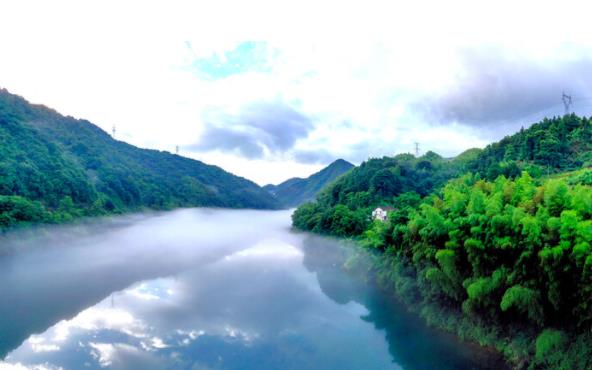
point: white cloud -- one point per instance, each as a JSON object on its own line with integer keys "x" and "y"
{"x": 356, "y": 68}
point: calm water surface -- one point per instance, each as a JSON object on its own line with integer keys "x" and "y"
{"x": 203, "y": 289}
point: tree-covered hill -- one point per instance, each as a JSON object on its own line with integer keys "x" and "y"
{"x": 54, "y": 167}
{"x": 494, "y": 245}
{"x": 343, "y": 208}
{"x": 296, "y": 191}
{"x": 552, "y": 145}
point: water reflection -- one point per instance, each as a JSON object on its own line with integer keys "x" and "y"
{"x": 203, "y": 289}
{"x": 53, "y": 274}
{"x": 411, "y": 344}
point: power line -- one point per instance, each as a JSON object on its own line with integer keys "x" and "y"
{"x": 567, "y": 102}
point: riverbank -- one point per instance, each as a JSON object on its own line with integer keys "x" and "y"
{"x": 506, "y": 263}
{"x": 204, "y": 288}
{"x": 522, "y": 347}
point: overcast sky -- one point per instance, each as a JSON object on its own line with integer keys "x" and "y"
{"x": 272, "y": 90}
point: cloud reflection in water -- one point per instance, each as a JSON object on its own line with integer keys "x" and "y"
{"x": 200, "y": 289}
{"x": 250, "y": 307}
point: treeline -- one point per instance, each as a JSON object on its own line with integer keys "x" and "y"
{"x": 343, "y": 208}
{"x": 55, "y": 168}
{"x": 550, "y": 146}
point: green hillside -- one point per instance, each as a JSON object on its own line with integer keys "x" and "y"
{"x": 343, "y": 207}
{"x": 494, "y": 245}
{"x": 296, "y": 191}
{"x": 552, "y": 145}
{"x": 507, "y": 264}
{"x": 54, "y": 168}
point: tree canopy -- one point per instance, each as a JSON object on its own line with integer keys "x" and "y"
{"x": 494, "y": 244}
{"x": 58, "y": 168}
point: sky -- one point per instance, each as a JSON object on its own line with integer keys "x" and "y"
{"x": 270, "y": 90}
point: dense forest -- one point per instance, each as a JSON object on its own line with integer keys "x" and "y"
{"x": 295, "y": 191}
{"x": 55, "y": 168}
{"x": 343, "y": 207}
{"x": 552, "y": 145}
{"x": 494, "y": 245}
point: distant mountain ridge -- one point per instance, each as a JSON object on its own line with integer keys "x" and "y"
{"x": 54, "y": 167}
{"x": 296, "y": 191}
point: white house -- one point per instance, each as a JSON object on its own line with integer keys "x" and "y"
{"x": 381, "y": 213}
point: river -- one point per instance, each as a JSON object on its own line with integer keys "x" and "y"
{"x": 203, "y": 289}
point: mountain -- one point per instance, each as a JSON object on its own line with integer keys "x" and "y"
{"x": 342, "y": 208}
{"x": 54, "y": 167}
{"x": 296, "y": 191}
{"x": 552, "y": 145}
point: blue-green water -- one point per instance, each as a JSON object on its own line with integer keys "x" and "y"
{"x": 203, "y": 289}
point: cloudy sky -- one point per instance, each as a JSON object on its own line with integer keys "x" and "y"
{"x": 273, "y": 89}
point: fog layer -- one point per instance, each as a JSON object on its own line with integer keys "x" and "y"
{"x": 202, "y": 289}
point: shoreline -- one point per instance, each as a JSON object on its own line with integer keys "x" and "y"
{"x": 370, "y": 267}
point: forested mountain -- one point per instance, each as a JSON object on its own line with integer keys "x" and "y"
{"x": 494, "y": 245}
{"x": 343, "y": 207}
{"x": 552, "y": 145}
{"x": 54, "y": 167}
{"x": 296, "y": 191}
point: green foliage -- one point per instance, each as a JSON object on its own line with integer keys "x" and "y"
{"x": 295, "y": 191}
{"x": 345, "y": 221}
{"x": 556, "y": 197}
{"x": 525, "y": 301}
{"x": 484, "y": 293}
{"x": 550, "y": 345}
{"x": 17, "y": 210}
{"x": 306, "y": 217}
{"x": 380, "y": 181}
{"x": 555, "y": 144}
{"x": 509, "y": 257}
{"x": 63, "y": 168}
{"x": 584, "y": 177}
{"x": 376, "y": 235}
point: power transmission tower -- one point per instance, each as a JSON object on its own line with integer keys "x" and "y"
{"x": 567, "y": 102}
{"x": 113, "y": 131}
{"x": 417, "y": 149}
{"x": 177, "y": 150}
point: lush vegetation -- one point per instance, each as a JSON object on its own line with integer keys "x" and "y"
{"x": 556, "y": 144}
{"x": 550, "y": 147}
{"x": 512, "y": 258}
{"x": 295, "y": 191}
{"x": 343, "y": 208}
{"x": 55, "y": 168}
{"x": 494, "y": 245}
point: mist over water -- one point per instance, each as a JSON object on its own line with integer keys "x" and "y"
{"x": 202, "y": 289}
